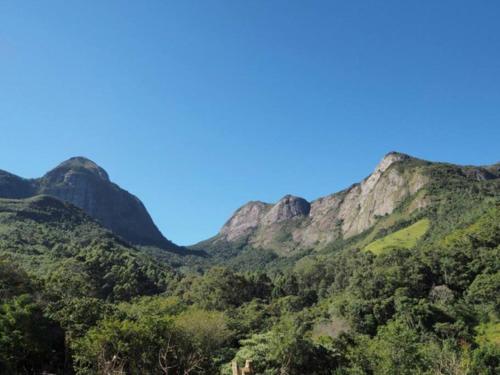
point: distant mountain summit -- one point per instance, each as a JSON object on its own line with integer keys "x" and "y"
{"x": 80, "y": 164}
{"x": 86, "y": 185}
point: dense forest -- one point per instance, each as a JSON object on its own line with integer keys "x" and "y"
{"x": 421, "y": 296}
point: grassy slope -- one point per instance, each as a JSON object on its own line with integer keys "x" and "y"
{"x": 406, "y": 238}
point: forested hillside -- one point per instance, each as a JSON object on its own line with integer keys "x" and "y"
{"x": 416, "y": 292}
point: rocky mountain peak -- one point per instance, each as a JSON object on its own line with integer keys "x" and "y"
{"x": 389, "y": 159}
{"x": 85, "y": 184}
{"x": 78, "y": 164}
{"x": 288, "y": 208}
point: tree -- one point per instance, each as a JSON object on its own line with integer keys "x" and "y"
{"x": 29, "y": 342}
{"x": 486, "y": 360}
{"x": 485, "y": 290}
{"x": 286, "y": 350}
{"x": 220, "y": 289}
{"x": 396, "y": 350}
{"x": 208, "y": 333}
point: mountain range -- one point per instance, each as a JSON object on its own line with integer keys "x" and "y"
{"x": 399, "y": 269}
{"x": 400, "y": 188}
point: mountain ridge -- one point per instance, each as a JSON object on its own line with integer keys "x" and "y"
{"x": 340, "y": 215}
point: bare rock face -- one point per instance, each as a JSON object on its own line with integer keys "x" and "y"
{"x": 378, "y": 195}
{"x": 294, "y": 223}
{"x": 263, "y": 217}
{"x": 389, "y": 159}
{"x": 325, "y": 223}
{"x": 356, "y": 209}
{"x": 84, "y": 184}
{"x": 244, "y": 221}
{"x": 287, "y": 208}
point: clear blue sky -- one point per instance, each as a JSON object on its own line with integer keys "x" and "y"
{"x": 199, "y": 106}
